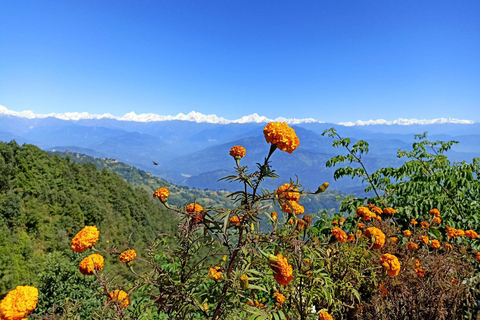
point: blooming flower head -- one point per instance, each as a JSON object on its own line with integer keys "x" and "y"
{"x": 235, "y": 220}
{"x": 435, "y": 244}
{"x": 384, "y": 290}
{"x": 197, "y": 210}
{"x": 255, "y": 304}
{"x": 420, "y": 272}
{"x": 413, "y": 221}
{"x": 335, "y": 222}
{"x": 378, "y": 217}
{"x": 376, "y": 236}
{"x": 360, "y": 225}
{"x": 237, "y": 152}
{"x": 365, "y": 213}
{"x": 451, "y": 232}
{"x": 389, "y": 210}
{"x": 298, "y": 209}
{"x": 435, "y": 212}
{"x": 459, "y": 233}
{"x": 128, "y": 255}
{"x": 215, "y": 273}
{"x": 120, "y": 297}
{"x": 391, "y": 264}
{"x": 394, "y": 239}
{"x": 425, "y": 225}
{"x": 287, "y": 192}
{"x": 407, "y": 233}
{"x": 281, "y": 267}
{"x": 161, "y": 194}
{"x": 471, "y": 234}
{"x": 86, "y": 238}
{"x": 280, "y": 298}
{"x": 91, "y": 263}
{"x": 351, "y": 237}
{"x": 436, "y": 220}
{"x": 448, "y": 247}
{"x": 274, "y": 216}
{"x": 417, "y": 264}
{"x": 412, "y": 246}
{"x": 324, "y": 315}
{"x": 339, "y": 234}
{"x": 280, "y": 134}
{"x": 478, "y": 256}
{"x": 341, "y": 221}
{"x": 374, "y": 208}
{"x": 18, "y": 303}
{"x": 424, "y": 239}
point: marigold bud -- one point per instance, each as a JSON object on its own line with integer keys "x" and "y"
{"x": 244, "y": 282}
{"x": 274, "y": 216}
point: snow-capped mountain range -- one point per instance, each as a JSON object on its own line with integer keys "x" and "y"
{"x": 212, "y": 118}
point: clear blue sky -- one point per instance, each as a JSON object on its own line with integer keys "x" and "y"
{"x": 332, "y": 60}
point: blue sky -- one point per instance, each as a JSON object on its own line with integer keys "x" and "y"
{"x": 332, "y": 60}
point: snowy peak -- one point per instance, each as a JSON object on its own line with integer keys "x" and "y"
{"x": 406, "y": 122}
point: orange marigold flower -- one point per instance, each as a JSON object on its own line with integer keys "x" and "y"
{"x": 459, "y": 233}
{"x": 351, "y": 238}
{"x": 296, "y": 207}
{"x": 18, "y": 303}
{"x": 128, "y": 255}
{"x": 374, "y": 208}
{"x": 407, "y": 233}
{"x": 215, "y": 273}
{"x": 120, "y": 297}
{"x": 237, "y": 152}
{"x": 91, "y": 263}
{"x": 413, "y": 221}
{"x": 425, "y": 225}
{"x": 360, "y": 225}
{"x": 391, "y": 264}
{"x": 280, "y": 298}
{"x": 86, "y": 238}
{"x": 335, "y": 222}
{"x": 281, "y": 267}
{"x": 435, "y": 244}
{"x": 424, "y": 239}
{"x": 384, "y": 290}
{"x": 378, "y": 218}
{"x": 365, "y": 213}
{"x": 280, "y": 134}
{"x": 254, "y": 304}
{"x": 436, "y": 220}
{"x": 412, "y": 246}
{"x": 478, "y": 256}
{"x": 339, "y": 234}
{"x": 389, "y": 210}
{"x": 394, "y": 239}
{"x": 435, "y": 212}
{"x": 161, "y": 194}
{"x": 471, "y": 234}
{"x": 194, "y": 208}
{"x": 290, "y": 222}
{"x": 420, "y": 272}
{"x": 376, "y": 236}
{"x": 341, "y": 221}
{"x": 324, "y": 315}
{"x": 417, "y": 264}
{"x": 235, "y": 220}
{"x": 448, "y": 246}
{"x": 274, "y": 216}
{"x": 287, "y": 192}
{"x": 451, "y": 232}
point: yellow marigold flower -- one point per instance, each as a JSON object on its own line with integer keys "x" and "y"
{"x": 471, "y": 234}
{"x": 287, "y": 192}
{"x": 424, "y": 239}
{"x": 120, "y": 297}
{"x": 365, "y": 213}
{"x": 448, "y": 246}
{"x": 339, "y": 234}
{"x": 425, "y": 225}
{"x": 436, "y": 220}
{"x": 161, "y": 194}
{"x": 244, "y": 282}
{"x": 86, "y": 238}
{"x": 376, "y": 236}
{"x": 407, "y": 233}
{"x": 391, "y": 264}
{"x": 420, "y": 272}
{"x": 91, "y": 263}
{"x": 412, "y": 246}
{"x": 237, "y": 152}
{"x": 128, "y": 255}
{"x": 389, "y": 210}
{"x": 374, "y": 208}
{"x": 274, "y": 216}
{"x": 235, "y": 220}
{"x": 335, "y": 222}
{"x": 290, "y": 222}
{"x": 413, "y": 221}
{"x": 296, "y": 207}
{"x": 215, "y": 273}
{"x": 341, "y": 221}
{"x": 478, "y": 256}
{"x": 281, "y": 267}
{"x": 360, "y": 225}
{"x": 280, "y": 134}
{"x": 435, "y": 244}
{"x": 351, "y": 237}
{"x": 435, "y": 212}
{"x": 18, "y": 303}
{"x": 394, "y": 239}
{"x": 280, "y": 298}
{"x": 324, "y": 315}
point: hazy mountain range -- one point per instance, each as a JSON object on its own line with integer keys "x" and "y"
{"x": 192, "y": 149}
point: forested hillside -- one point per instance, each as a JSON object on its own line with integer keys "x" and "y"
{"x": 45, "y": 200}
